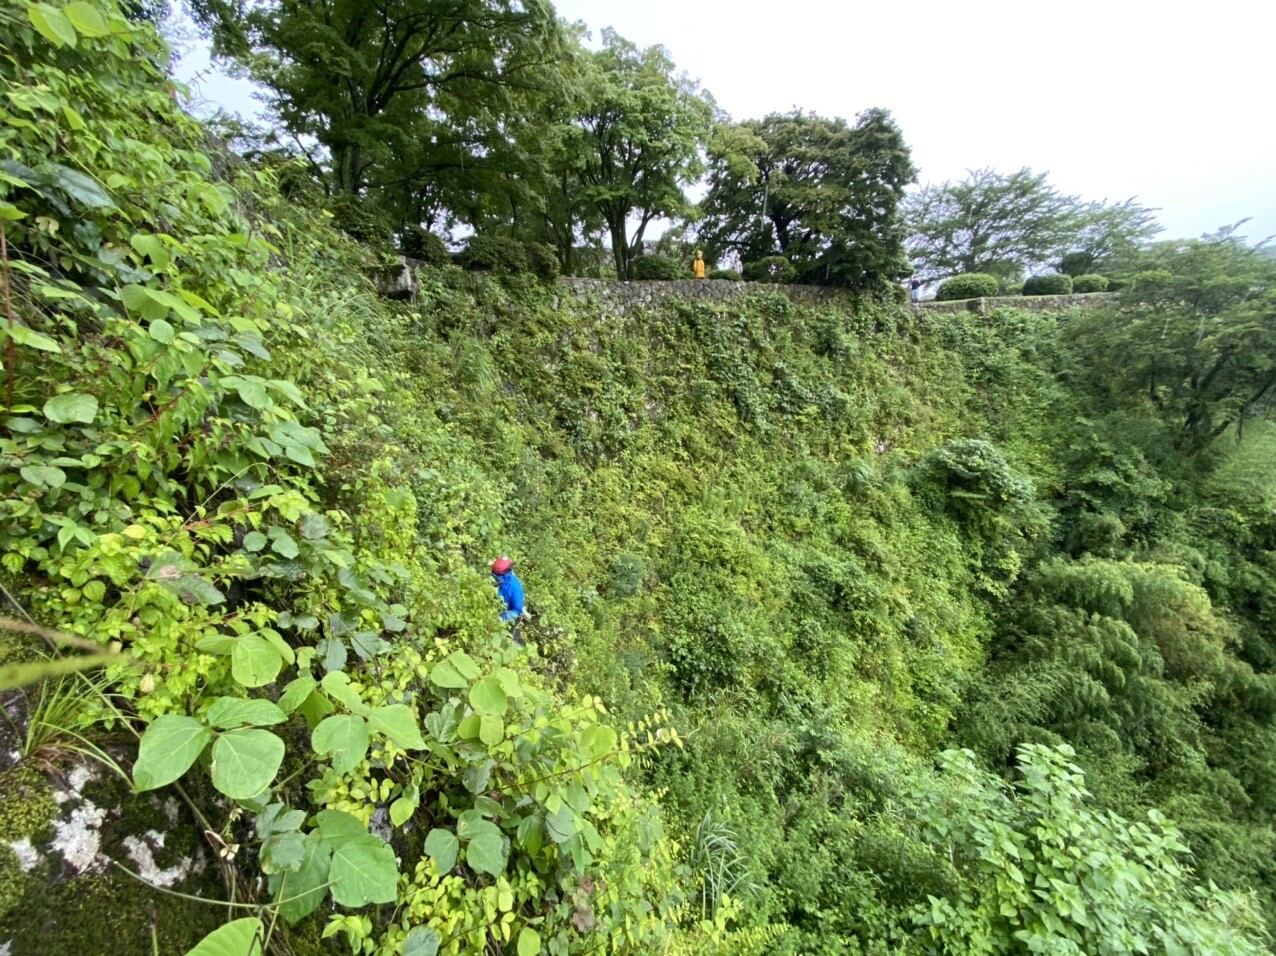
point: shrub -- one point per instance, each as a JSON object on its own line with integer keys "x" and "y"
{"x": 628, "y": 571}
{"x": 1054, "y": 284}
{"x": 973, "y": 481}
{"x": 658, "y": 268}
{"x": 424, "y": 246}
{"x": 776, "y": 269}
{"x": 1076, "y": 264}
{"x": 543, "y": 261}
{"x": 729, "y": 274}
{"x": 494, "y": 254}
{"x": 971, "y": 285}
{"x": 357, "y": 220}
{"x": 1090, "y": 283}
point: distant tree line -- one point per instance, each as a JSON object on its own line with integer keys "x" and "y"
{"x": 495, "y": 117}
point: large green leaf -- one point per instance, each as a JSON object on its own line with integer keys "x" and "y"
{"x": 529, "y": 942}
{"x": 296, "y": 693}
{"x": 43, "y": 476}
{"x": 55, "y": 28}
{"x": 421, "y": 941}
{"x": 242, "y": 937}
{"x": 31, "y": 338}
{"x": 77, "y": 186}
{"x": 245, "y": 762}
{"x": 337, "y": 686}
{"x": 169, "y": 746}
{"x": 488, "y": 697}
{"x": 228, "y": 712}
{"x": 153, "y": 304}
{"x": 162, "y": 331}
{"x": 485, "y": 849}
{"x": 398, "y": 723}
{"x": 254, "y": 661}
{"x": 86, "y": 19}
{"x": 345, "y": 736}
{"x": 531, "y": 834}
{"x": 442, "y": 846}
{"x": 282, "y": 852}
{"x": 491, "y": 730}
{"x": 337, "y": 827}
{"x": 71, "y": 407}
{"x": 300, "y": 893}
{"x": 364, "y": 871}
{"x": 445, "y": 674}
{"x": 456, "y": 671}
{"x": 561, "y": 824}
{"x": 597, "y": 741}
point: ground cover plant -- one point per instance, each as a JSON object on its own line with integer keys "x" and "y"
{"x": 853, "y": 630}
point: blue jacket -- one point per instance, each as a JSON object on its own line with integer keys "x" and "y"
{"x": 510, "y": 589}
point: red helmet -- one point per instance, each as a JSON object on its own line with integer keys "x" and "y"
{"x": 501, "y": 565}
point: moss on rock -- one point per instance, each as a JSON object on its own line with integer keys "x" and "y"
{"x": 59, "y": 892}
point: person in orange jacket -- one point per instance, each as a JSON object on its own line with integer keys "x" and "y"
{"x": 698, "y": 265}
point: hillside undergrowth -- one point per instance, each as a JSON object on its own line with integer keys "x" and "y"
{"x": 780, "y": 559}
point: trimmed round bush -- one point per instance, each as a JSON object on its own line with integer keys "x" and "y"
{"x": 494, "y": 254}
{"x": 1055, "y": 284}
{"x": 729, "y": 274}
{"x": 775, "y": 269}
{"x": 424, "y": 246}
{"x": 969, "y": 285}
{"x": 543, "y": 261}
{"x": 1090, "y": 283}
{"x": 657, "y": 267}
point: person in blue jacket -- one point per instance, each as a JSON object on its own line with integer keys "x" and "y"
{"x": 510, "y": 590}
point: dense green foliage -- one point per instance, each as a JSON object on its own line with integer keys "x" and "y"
{"x": 659, "y": 267}
{"x": 635, "y": 140}
{"x": 400, "y": 100}
{"x": 1009, "y": 224}
{"x": 781, "y": 559}
{"x": 820, "y": 192}
{"x": 1090, "y": 283}
{"x": 971, "y": 285}
{"x": 424, "y": 246}
{"x": 777, "y": 269}
{"x": 495, "y": 254}
{"x": 1050, "y": 284}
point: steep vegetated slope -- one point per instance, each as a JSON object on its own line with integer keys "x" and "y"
{"x": 778, "y": 558}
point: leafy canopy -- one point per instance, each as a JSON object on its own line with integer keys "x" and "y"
{"x": 821, "y": 192}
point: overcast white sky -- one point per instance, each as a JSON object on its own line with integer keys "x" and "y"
{"x": 1170, "y": 103}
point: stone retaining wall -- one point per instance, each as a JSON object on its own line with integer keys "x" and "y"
{"x": 644, "y": 294}
{"x": 1029, "y": 303}
{"x": 401, "y": 282}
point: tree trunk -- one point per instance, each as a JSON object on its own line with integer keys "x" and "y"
{"x": 619, "y": 248}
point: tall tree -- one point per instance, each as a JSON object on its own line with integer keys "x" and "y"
{"x": 818, "y": 191}
{"x": 635, "y": 141}
{"x": 1106, "y": 235}
{"x": 394, "y": 91}
{"x": 1195, "y": 336}
{"x": 989, "y": 222}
